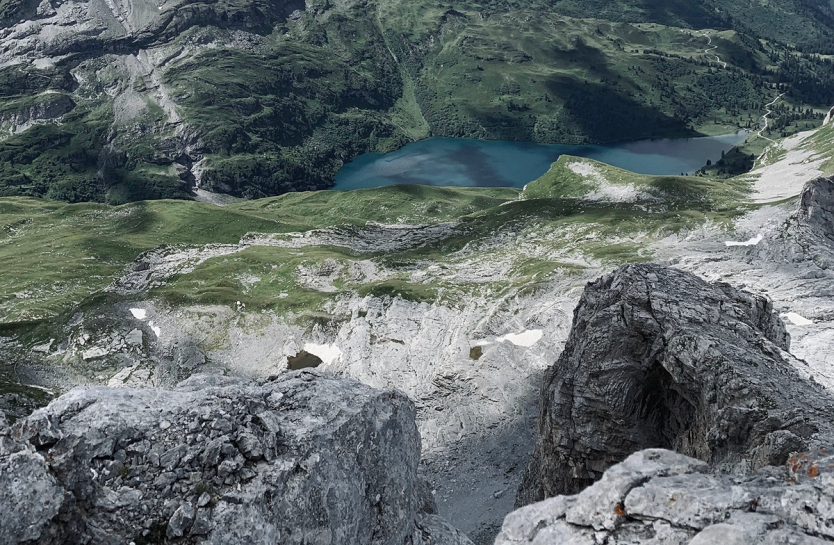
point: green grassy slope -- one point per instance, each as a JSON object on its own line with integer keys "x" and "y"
{"x": 498, "y": 243}
{"x": 565, "y": 179}
{"x": 55, "y": 254}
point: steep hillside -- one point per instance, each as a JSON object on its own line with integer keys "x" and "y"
{"x": 152, "y": 99}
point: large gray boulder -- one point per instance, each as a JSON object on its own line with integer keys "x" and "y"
{"x": 659, "y": 358}
{"x": 301, "y": 458}
{"x": 660, "y": 497}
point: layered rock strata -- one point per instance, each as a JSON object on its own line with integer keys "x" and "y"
{"x": 658, "y": 358}
{"x": 301, "y": 458}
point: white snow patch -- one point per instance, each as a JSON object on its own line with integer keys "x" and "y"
{"x": 525, "y": 338}
{"x": 47, "y": 390}
{"x": 796, "y": 319}
{"x": 156, "y": 329}
{"x": 328, "y": 353}
{"x": 752, "y": 242}
{"x": 139, "y": 313}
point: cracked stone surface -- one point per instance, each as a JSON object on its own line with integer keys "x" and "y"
{"x": 659, "y": 497}
{"x": 301, "y": 458}
{"x": 476, "y": 417}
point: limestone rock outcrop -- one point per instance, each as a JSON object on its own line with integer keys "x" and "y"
{"x": 659, "y": 358}
{"x": 808, "y": 236}
{"x": 815, "y": 211}
{"x": 661, "y": 497}
{"x": 301, "y": 458}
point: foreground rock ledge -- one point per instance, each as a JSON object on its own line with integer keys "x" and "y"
{"x": 659, "y": 358}
{"x": 302, "y": 458}
{"x": 660, "y": 497}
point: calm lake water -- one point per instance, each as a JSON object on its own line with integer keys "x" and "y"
{"x": 487, "y": 163}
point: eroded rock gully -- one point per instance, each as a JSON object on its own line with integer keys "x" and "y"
{"x": 658, "y": 358}
{"x": 301, "y": 458}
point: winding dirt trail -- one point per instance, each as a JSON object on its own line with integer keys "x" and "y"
{"x": 766, "y": 118}
{"x": 710, "y": 50}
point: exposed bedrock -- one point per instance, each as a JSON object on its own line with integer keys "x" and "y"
{"x": 301, "y": 458}
{"x": 815, "y": 212}
{"x": 809, "y": 234}
{"x": 660, "y": 497}
{"x": 659, "y": 358}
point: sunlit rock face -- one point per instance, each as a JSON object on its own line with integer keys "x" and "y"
{"x": 815, "y": 212}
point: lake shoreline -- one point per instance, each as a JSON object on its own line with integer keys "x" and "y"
{"x": 465, "y": 162}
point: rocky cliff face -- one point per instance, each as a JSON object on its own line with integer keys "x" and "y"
{"x": 302, "y": 458}
{"x": 473, "y": 365}
{"x": 815, "y": 211}
{"x": 808, "y": 235}
{"x": 660, "y": 358}
{"x": 662, "y": 497}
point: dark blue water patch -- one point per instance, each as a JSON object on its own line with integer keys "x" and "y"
{"x": 487, "y": 163}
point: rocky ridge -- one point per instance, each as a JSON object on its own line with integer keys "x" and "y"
{"x": 657, "y": 357}
{"x": 816, "y": 209}
{"x": 789, "y": 258}
{"x": 298, "y": 458}
{"x": 469, "y": 414}
{"x": 809, "y": 235}
{"x": 476, "y": 425}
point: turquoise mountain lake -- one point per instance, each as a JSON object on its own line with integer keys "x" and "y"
{"x": 486, "y": 163}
